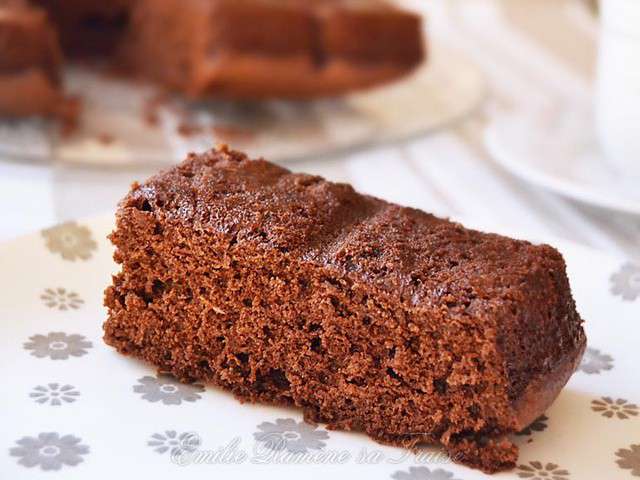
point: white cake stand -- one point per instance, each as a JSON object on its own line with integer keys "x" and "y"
{"x": 114, "y": 131}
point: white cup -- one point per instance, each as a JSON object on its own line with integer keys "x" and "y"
{"x": 618, "y": 86}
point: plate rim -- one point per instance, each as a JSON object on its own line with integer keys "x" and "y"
{"x": 559, "y": 185}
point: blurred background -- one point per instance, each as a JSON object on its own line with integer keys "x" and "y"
{"x": 522, "y": 116}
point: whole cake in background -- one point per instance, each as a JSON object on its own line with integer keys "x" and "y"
{"x": 232, "y": 49}
{"x": 30, "y": 62}
{"x": 288, "y": 289}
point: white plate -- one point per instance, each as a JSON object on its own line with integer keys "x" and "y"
{"x": 556, "y": 149}
{"x": 445, "y": 89}
{"x": 119, "y": 416}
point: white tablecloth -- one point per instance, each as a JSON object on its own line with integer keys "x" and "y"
{"x": 533, "y": 52}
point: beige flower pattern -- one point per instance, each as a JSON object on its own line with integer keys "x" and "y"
{"x": 71, "y": 241}
{"x": 538, "y": 471}
{"x": 629, "y": 459}
{"x": 611, "y": 408}
{"x": 61, "y": 299}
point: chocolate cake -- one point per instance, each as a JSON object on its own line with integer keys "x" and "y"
{"x": 253, "y": 49}
{"x": 234, "y": 49}
{"x": 88, "y": 27}
{"x": 30, "y": 60}
{"x": 30, "y": 66}
{"x": 288, "y": 289}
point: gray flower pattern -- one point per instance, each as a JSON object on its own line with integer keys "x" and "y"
{"x": 176, "y": 444}
{"x": 594, "y": 361}
{"x": 49, "y": 451}
{"x": 54, "y": 394}
{"x": 423, "y": 473}
{"x": 57, "y": 345}
{"x": 287, "y": 434}
{"x": 626, "y": 282}
{"x": 166, "y": 389}
{"x": 61, "y": 299}
{"x": 538, "y": 425}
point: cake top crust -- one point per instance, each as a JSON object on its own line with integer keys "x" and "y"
{"x": 401, "y": 250}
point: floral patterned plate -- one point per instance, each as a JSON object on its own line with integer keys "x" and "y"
{"x": 73, "y": 408}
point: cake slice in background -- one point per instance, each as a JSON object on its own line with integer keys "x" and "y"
{"x": 30, "y": 62}
{"x": 253, "y": 49}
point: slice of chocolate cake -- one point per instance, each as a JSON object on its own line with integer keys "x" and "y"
{"x": 289, "y": 289}
{"x": 254, "y": 49}
{"x": 30, "y": 61}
